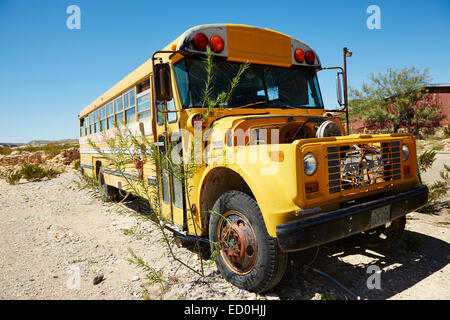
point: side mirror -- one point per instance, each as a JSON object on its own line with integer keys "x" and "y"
{"x": 163, "y": 86}
{"x": 339, "y": 88}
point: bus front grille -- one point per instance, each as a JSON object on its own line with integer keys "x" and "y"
{"x": 363, "y": 166}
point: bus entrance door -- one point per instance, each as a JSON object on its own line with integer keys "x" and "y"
{"x": 172, "y": 190}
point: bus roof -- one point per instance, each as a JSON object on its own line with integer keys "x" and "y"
{"x": 242, "y": 43}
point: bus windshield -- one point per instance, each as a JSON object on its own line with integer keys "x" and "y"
{"x": 260, "y": 86}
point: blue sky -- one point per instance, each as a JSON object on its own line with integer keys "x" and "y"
{"x": 49, "y": 73}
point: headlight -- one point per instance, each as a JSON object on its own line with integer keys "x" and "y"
{"x": 309, "y": 164}
{"x": 328, "y": 129}
{"x": 405, "y": 152}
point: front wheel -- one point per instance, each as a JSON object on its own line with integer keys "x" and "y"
{"x": 246, "y": 255}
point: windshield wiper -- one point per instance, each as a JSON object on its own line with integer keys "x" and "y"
{"x": 251, "y": 105}
{"x": 266, "y": 105}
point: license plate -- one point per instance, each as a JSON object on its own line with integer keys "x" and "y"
{"x": 380, "y": 216}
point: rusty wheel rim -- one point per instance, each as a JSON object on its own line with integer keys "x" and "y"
{"x": 237, "y": 242}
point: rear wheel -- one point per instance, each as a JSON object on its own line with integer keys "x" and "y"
{"x": 247, "y": 256}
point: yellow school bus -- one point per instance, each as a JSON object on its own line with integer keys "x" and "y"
{"x": 278, "y": 172}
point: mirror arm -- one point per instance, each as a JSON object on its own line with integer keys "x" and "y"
{"x": 345, "y": 108}
{"x": 330, "y": 68}
{"x": 152, "y": 79}
{"x": 168, "y": 111}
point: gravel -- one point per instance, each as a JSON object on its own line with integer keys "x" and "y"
{"x": 55, "y": 239}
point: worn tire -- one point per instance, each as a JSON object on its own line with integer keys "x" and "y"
{"x": 269, "y": 262}
{"x": 108, "y": 191}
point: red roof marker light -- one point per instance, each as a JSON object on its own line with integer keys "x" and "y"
{"x": 200, "y": 41}
{"x": 299, "y": 55}
{"x": 310, "y": 57}
{"x": 217, "y": 43}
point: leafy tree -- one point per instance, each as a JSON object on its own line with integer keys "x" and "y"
{"x": 396, "y": 100}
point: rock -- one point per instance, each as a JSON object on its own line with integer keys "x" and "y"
{"x": 98, "y": 279}
{"x": 17, "y": 159}
{"x": 135, "y": 278}
{"x": 272, "y": 296}
{"x": 317, "y": 296}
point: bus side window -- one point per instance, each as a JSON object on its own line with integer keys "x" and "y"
{"x": 164, "y": 173}
{"x": 143, "y": 100}
{"x": 110, "y": 115}
{"x": 130, "y": 106}
{"x": 91, "y": 123}
{"x": 143, "y": 105}
{"x": 171, "y": 116}
{"x": 82, "y": 127}
{"x": 118, "y": 108}
{"x": 97, "y": 123}
{"x": 102, "y": 119}
{"x": 159, "y": 115}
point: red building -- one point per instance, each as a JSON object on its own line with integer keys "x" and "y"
{"x": 442, "y": 92}
{"x": 438, "y": 91}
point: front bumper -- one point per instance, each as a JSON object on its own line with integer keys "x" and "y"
{"x": 334, "y": 225}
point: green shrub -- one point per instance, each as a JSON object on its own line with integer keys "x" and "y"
{"x": 5, "y": 150}
{"x": 13, "y": 177}
{"x": 437, "y": 190}
{"x": 76, "y": 164}
{"x": 446, "y": 131}
{"x": 425, "y": 160}
{"x": 51, "y": 173}
{"x": 34, "y": 172}
{"x": 50, "y": 149}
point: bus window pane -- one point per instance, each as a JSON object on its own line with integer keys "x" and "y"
{"x": 132, "y": 99}
{"x": 110, "y": 122}
{"x": 102, "y": 113}
{"x": 109, "y": 109}
{"x": 165, "y": 186}
{"x": 119, "y": 119}
{"x": 171, "y": 116}
{"x": 177, "y": 193}
{"x": 182, "y": 82}
{"x": 118, "y": 104}
{"x": 126, "y": 100}
{"x": 103, "y": 125}
{"x": 177, "y": 182}
{"x": 164, "y": 173}
{"x": 159, "y": 117}
{"x": 129, "y": 99}
{"x": 143, "y": 103}
{"x": 130, "y": 115}
{"x": 144, "y": 115}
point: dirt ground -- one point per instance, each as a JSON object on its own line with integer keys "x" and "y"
{"x": 52, "y": 234}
